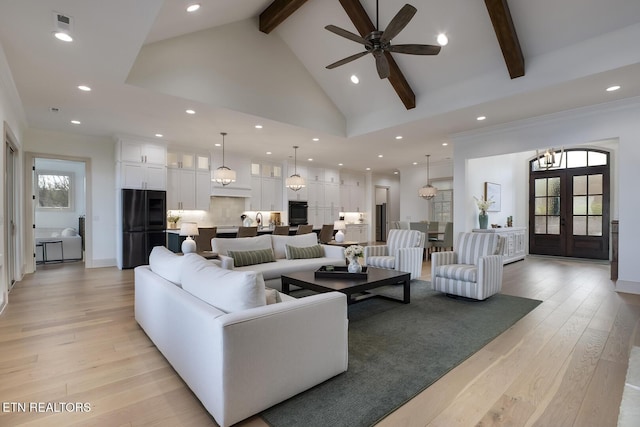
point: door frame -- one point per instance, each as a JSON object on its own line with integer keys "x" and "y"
{"x": 566, "y": 243}
{"x": 30, "y": 207}
{"x": 11, "y": 211}
{"x": 387, "y": 197}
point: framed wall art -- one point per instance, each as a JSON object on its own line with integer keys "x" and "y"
{"x": 492, "y": 192}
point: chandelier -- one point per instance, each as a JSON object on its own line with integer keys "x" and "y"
{"x": 295, "y": 182}
{"x": 427, "y": 192}
{"x": 223, "y": 175}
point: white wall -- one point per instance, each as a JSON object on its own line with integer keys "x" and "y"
{"x": 101, "y": 152}
{"x": 56, "y": 218}
{"x": 413, "y": 207}
{"x": 615, "y": 120}
{"x": 12, "y": 119}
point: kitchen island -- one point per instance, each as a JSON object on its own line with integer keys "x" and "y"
{"x": 174, "y": 239}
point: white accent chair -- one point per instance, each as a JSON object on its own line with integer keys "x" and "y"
{"x": 473, "y": 270}
{"x": 403, "y": 252}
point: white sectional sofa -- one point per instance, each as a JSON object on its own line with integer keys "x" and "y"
{"x": 272, "y": 271}
{"x": 249, "y": 355}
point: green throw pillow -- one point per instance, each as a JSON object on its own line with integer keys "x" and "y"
{"x": 295, "y": 252}
{"x": 259, "y": 256}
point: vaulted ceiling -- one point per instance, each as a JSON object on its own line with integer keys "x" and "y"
{"x": 147, "y": 61}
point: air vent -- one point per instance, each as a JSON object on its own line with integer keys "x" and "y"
{"x": 54, "y": 109}
{"x": 63, "y": 22}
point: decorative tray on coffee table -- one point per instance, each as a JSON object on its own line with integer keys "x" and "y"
{"x": 339, "y": 272}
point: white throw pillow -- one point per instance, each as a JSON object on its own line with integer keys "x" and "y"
{"x": 300, "y": 240}
{"x": 223, "y": 245}
{"x": 166, "y": 264}
{"x": 227, "y": 290}
{"x": 68, "y": 232}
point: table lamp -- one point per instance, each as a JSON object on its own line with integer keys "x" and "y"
{"x": 188, "y": 229}
{"x": 339, "y": 225}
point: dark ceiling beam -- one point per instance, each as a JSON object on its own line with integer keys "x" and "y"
{"x": 363, "y": 24}
{"x": 277, "y": 12}
{"x": 507, "y": 37}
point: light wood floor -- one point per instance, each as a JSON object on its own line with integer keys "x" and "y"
{"x": 68, "y": 335}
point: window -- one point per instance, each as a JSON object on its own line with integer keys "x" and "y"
{"x": 442, "y": 203}
{"x": 55, "y": 190}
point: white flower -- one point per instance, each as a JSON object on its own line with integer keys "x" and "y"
{"x": 354, "y": 251}
{"x": 483, "y": 205}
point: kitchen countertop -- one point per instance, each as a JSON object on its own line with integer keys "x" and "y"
{"x": 233, "y": 230}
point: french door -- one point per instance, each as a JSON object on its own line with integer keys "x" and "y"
{"x": 569, "y": 205}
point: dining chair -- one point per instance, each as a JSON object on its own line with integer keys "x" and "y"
{"x": 203, "y": 239}
{"x": 304, "y": 229}
{"x": 447, "y": 241}
{"x": 281, "y": 230}
{"x": 247, "y": 231}
{"x": 326, "y": 233}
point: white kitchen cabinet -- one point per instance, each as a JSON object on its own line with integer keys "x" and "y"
{"x": 179, "y": 159}
{"x": 356, "y": 233}
{"x": 266, "y": 194}
{"x": 181, "y": 189}
{"x": 352, "y": 192}
{"x": 142, "y": 176}
{"x": 203, "y": 190}
{"x": 315, "y": 193}
{"x": 332, "y": 176}
{"x": 141, "y": 152}
{"x": 331, "y": 194}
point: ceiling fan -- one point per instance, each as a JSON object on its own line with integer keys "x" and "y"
{"x": 378, "y": 42}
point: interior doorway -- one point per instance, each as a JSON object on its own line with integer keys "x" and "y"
{"x": 58, "y": 210}
{"x": 569, "y": 210}
{"x": 381, "y": 213}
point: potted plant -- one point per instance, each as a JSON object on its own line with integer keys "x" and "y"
{"x": 172, "y": 220}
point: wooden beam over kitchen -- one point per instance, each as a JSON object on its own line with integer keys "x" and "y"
{"x": 277, "y": 12}
{"x": 363, "y": 24}
{"x": 507, "y": 37}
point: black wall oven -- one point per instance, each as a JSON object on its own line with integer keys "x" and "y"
{"x": 298, "y": 213}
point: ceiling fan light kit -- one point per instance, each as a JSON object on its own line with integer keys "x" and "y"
{"x": 379, "y": 42}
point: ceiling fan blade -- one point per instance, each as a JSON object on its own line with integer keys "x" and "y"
{"x": 382, "y": 65}
{"x": 398, "y": 22}
{"x": 347, "y": 34}
{"x": 415, "y": 49}
{"x": 347, "y": 59}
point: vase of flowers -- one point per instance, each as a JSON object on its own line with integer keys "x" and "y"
{"x": 172, "y": 221}
{"x": 352, "y": 253}
{"x": 483, "y": 206}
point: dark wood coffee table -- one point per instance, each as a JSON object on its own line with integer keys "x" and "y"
{"x": 355, "y": 289}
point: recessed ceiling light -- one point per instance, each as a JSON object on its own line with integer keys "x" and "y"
{"x": 395, "y": 172}
{"x": 258, "y": 126}
{"x": 217, "y": 144}
{"x": 380, "y": 156}
{"x": 65, "y": 37}
{"x": 193, "y": 7}
{"x": 399, "y": 137}
{"x": 613, "y": 88}
{"x": 415, "y": 163}
{"x": 367, "y": 169}
{"x": 354, "y": 79}
{"x": 75, "y": 122}
{"x": 340, "y": 164}
{"x": 190, "y": 111}
{"x": 480, "y": 118}
{"x": 159, "y": 135}
{"x": 310, "y": 159}
{"x": 445, "y": 144}
{"x": 84, "y": 88}
{"x": 316, "y": 139}
{"x": 268, "y": 152}
{"x": 442, "y": 39}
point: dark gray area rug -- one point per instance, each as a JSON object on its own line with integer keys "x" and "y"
{"x": 396, "y": 351}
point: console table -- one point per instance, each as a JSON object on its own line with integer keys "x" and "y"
{"x": 514, "y": 244}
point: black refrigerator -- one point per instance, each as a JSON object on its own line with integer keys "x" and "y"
{"x": 144, "y": 220}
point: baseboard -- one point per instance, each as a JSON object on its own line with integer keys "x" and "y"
{"x": 100, "y": 263}
{"x": 628, "y": 286}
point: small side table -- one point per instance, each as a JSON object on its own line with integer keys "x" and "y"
{"x": 343, "y": 244}
{"x": 41, "y": 246}
{"x": 45, "y": 258}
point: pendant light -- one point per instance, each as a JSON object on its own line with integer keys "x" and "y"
{"x": 295, "y": 182}
{"x": 427, "y": 192}
{"x": 223, "y": 175}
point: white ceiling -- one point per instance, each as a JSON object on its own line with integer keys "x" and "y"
{"x": 573, "y": 50}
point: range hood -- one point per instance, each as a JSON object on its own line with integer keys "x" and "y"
{"x": 229, "y": 191}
